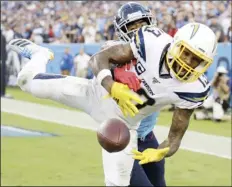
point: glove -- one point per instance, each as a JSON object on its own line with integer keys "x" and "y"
{"x": 150, "y": 155}
{"x": 128, "y": 78}
{"x": 124, "y": 96}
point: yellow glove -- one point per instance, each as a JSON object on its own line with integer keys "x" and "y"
{"x": 150, "y": 155}
{"x": 122, "y": 93}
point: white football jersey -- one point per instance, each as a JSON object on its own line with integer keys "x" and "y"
{"x": 158, "y": 88}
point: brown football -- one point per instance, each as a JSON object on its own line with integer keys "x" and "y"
{"x": 113, "y": 135}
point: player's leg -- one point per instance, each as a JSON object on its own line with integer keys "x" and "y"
{"x": 68, "y": 90}
{"x": 155, "y": 171}
{"x": 86, "y": 95}
{"x": 139, "y": 175}
{"x": 146, "y": 139}
{"x": 118, "y": 166}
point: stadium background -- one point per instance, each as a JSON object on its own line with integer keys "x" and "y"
{"x": 61, "y": 24}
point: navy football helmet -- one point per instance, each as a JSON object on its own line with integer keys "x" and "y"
{"x": 127, "y": 14}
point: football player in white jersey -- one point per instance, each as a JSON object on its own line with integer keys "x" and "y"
{"x": 171, "y": 72}
{"x": 130, "y": 17}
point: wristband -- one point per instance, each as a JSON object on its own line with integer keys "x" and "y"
{"x": 102, "y": 74}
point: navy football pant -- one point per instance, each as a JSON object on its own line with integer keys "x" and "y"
{"x": 151, "y": 174}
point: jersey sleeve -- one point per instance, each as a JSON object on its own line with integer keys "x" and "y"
{"x": 138, "y": 44}
{"x": 195, "y": 95}
{"x": 147, "y": 40}
{"x": 194, "y": 99}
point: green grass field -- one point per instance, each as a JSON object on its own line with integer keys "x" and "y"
{"x": 74, "y": 159}
{"x": 209, "y": 127}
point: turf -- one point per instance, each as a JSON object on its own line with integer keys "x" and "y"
{"x": 208, "y": 127}
{"x": 204, "y": 126}
{"x": 61, "y": 160}
{"x": 74, "y": 158}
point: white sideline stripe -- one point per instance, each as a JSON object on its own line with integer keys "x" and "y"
{"x": 193, "y": 141}
{"x": 22, "y": 131}
{"x": 206, "y": 152}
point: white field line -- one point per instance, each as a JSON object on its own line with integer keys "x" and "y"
{"x": 193, "y": 141}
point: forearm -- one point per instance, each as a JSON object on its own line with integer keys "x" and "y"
{"x": 177, "y": 130}
{"x": 99, "y": 62}
{"x": 117, "y": 54}
{"x": 173, "y": 145}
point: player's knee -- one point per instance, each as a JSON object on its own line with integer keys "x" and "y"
{"x": 22, "y": 79}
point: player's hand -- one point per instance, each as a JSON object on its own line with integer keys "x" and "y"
{"x": 127, "y": 77}
{"x": 125, "y": 97}
{"x": 150, "y": 155}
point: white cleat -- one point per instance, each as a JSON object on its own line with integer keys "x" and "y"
{"x": 26, "y": 48}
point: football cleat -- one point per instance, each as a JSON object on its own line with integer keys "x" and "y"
{"x": 26, "y": 48}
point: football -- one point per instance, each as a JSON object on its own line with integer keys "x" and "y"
{"x": 113, "y": 135}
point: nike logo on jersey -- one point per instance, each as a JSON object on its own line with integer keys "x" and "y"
{"x": 154, "y": 80}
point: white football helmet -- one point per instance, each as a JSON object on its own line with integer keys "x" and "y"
{"x": 201, "y": 41}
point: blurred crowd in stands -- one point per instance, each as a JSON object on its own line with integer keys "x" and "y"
{"x": 92, "y": 21}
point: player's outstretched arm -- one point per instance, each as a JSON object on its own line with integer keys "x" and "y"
{"x": 180, "y": 122}
{"x": 119, "y": 73}
{"x": 116, "y": 54}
